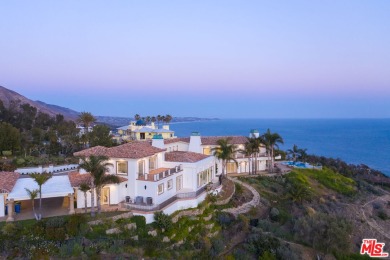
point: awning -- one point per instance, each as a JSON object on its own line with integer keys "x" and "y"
{"x": 56, "y": 186}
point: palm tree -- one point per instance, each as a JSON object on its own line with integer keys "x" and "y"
{"x": 158, "y": 120}
{"x": 255, "y": 144}
{"x": 302, "y": 154}
{"x": 168, "y": 118}
{"x": 248, "y": 152}
{"x": 271, "y": 140}
{"x": 101, "y": 179}
{"x": 153, "y": 119}
{"x": 96, "y": 166}
{"x": 84, "y": 187}
{"x": 40, "y": 179}
{"x": 33, "y": 194}
{"x": 148, "y": 119}
{"x": 86, "y": 118}
{"x": 225, "y": 152}
{"x": 163, "y": 119}
{"x": 294, "y": 152}
{"x": 137, "y": 117}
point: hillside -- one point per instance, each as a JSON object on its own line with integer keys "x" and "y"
{"x": 9, "y": 97}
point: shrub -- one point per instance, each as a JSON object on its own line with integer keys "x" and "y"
{"x": 225, "y": 219}
{"x": 162, "y": 220}
{"x": 75, "y": 224}
{"x": 7, "y": 153}
{"x": 382, "y": 215}
{"x": 274, "y": 214}
{"x": 55, "y": 222}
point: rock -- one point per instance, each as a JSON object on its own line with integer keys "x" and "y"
{"x": 190, "y": 228}
{"x": 208, "y": 217}
{"x": 131, "y": 226}
{"x": 135, "y": 238}
{"x": 113, "y": 231}
{"x": 153, "y": 233}
{"x": 95, "y": 222}
{"x": 166, "y": 239}
{"x": 210, "y": 226}
{"x": 173, "y": 236}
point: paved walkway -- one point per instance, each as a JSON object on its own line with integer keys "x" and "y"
{"x": 246, "y": 207}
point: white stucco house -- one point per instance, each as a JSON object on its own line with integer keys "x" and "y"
{"x": 155, "y": 175}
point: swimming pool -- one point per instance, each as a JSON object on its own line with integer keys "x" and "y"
{"x": 302, "y": 165}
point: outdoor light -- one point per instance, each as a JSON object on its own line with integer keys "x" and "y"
{"x": 145, "y": 187}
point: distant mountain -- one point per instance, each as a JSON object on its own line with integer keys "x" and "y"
{"x": 9, "y": 96}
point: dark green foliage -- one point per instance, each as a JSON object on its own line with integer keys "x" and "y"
{"x": 382, "y": 215}
{"x": 324, "y": 232}
{"x": 274, "y": 214}
{"x": 162, "y": 220}
{"x": 100, "y": 135}
{"x": 75, "y": 224}
{"x": 225, "y": 219}
{"x": 9, "y": 137}
{"x": 258, "y": 243}
{"x": 217, "y": 246}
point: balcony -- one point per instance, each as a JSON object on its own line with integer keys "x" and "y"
{"x": 159, "y": 173}
{"x": 243, "y": 156}
{"x": 155, "y": 207}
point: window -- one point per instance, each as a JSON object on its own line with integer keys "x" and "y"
{"x": 153, "y": 162}
{"x": 204, "y": 177}
{"x": 141, "y": 168}
{"x": 179, "y": 182}
{"x": 207, "y": 151}
{"x": 161, "y": 188}
{"x": 121, "y": 167}
{"x": 170, "y": 184}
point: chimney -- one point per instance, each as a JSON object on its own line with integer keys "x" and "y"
{"x": 254, "y": 133}
{"x": 158, "y": 141}
{"x": 195, "y": 143}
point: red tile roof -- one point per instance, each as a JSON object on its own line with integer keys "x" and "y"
{"x": 8, "y": 180}
{"x": 132, "y": 150}
{"x": 77, "y": 178}
{"x": 186, "y": 157}
{"x": 210, "y": 140}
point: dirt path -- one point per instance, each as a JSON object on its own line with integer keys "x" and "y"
{"x": 372, "y": 222}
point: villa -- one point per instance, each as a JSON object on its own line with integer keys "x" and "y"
{"x": 155, "y": 174}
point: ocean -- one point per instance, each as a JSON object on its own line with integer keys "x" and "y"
{"x": 355, "y": 141}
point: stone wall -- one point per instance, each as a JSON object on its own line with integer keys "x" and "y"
{"x": 191, "y": 212}
{"x": 246, "y": 207}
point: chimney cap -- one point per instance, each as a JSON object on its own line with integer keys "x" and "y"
{"x": 158, "y": 136}
{"x": 195, "y": 134}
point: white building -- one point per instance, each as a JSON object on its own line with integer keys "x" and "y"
{"x": 158, "y": 174}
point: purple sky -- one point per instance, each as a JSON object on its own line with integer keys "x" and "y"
{"x": 273, "y": 59}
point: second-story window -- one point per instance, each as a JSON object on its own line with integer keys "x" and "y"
{"x": 141, "y": 167}
{"x": 153, "y": 162}
{"x": 121, "y": 167}
{"x": 207, "y": 151}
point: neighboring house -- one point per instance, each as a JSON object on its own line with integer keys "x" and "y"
{"x": 138, "y": 130}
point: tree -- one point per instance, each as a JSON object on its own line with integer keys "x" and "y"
{"x": 137, "y": 117}
{"x": 225, "y": 152}
{"x": 40, "y": 179}
{"x": 84, "y": 187}
{"x": 168, "y": 118}
{"x": 248, "y": 152}
{"x": 100, "y": 180}
{"x": 9, "y": 137}
{"x": 294, "y": 152}
{"x": 255, "y": 144}
{"x": 158, "y": 120}
{"x": 86, "y": 119}
{"x": 97, "y": 166}
{"x": 271, "y": 140}
{"x": 100, "y": 135}
{"x": 33, "y": 194}
{"x": 153, "y": 119}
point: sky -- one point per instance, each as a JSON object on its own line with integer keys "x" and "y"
{"x": 226, "y": 59}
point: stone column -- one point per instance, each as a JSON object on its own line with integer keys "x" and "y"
{"x": 71, "y": 203}
{"x": 10, "y": 210}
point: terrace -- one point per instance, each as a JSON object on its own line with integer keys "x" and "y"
{"x": 159, "y": 173}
